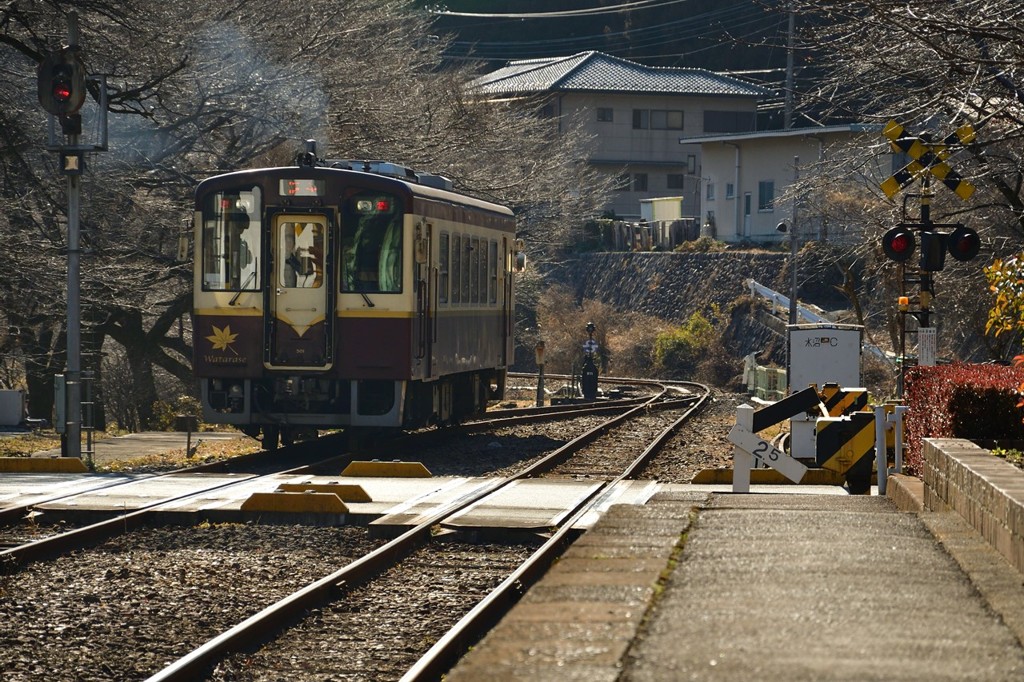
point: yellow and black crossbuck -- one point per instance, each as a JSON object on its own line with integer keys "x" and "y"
{"x": 927, "y": 157}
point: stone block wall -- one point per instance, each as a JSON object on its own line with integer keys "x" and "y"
{"x": 985, "y": 490}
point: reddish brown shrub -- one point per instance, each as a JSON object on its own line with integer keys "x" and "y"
{"x": 961, "y": 401}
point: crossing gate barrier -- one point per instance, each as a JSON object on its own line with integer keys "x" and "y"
{"x": 846, "y": 445}
{"x": 846, "y": 435}
{"x": 845, "y": 440}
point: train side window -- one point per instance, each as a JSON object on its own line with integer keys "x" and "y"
{"x": 492, "y": 262}
{"x": 442, "y": 285}
{"x": 467, "y": 279}
{"x": 456, "y": 268}
{"x": 474, "y": 270}
{"x": 482, "y": 275}
{"x": 371, "y": 236}
{"x": 231, "y": 240}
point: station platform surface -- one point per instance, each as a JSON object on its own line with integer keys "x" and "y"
{"x": 774, "y": 585}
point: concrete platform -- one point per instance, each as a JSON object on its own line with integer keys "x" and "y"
{"x": 706, "y": 585}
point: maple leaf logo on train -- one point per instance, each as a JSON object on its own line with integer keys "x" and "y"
{"x": 222, "y": 338}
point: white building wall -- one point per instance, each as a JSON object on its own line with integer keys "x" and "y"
{"x": 745, "y": 164}
{"x": 619, "y": 148}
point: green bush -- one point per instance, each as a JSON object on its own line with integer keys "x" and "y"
{"x": 678, "y": 352}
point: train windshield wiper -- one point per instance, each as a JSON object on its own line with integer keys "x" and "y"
{"x": 369, "y": 303}
{"x": 251, "y": 277}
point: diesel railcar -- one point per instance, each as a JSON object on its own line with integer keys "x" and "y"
{"x": 348, "y": 295}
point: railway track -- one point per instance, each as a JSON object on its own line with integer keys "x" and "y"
{"x": 372, "y": 572}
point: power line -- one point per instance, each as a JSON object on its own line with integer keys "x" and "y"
{"x": 700, "y": 19}
{"x": 646, "y": 37}
{"x": 639, "y": 4}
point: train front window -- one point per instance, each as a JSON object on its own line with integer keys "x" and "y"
{"x": 371, "y": 243}
{"x": 231, "y": 240}
{"x": 301, "y": 245}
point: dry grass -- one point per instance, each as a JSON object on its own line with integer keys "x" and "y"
{"x": 205, "y": 452}
{"x": 24, "y": 445}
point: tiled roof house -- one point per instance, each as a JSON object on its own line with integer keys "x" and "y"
{"x": 637, "y": 115}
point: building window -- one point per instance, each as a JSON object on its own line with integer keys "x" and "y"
{"x": 728, "y": 121}
{"x": 657, "y": 119}
{"x": 605, "y": 114}
{"x": 709, "y": 191}
{"x": 766, "y": 195}
{"x": 546, "y": 111}
{"x": 640, "y": 182}
{"x": 622, "y": 182}
{"x": 666, "y": 120}
{"x": 691, "y": 164}
{"x": 675, "y": 181}
{"x": 730, "y": 191}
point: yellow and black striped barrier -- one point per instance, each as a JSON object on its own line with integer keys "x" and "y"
{"x": 839, "y": 401}
{"x": 846, "y": 445}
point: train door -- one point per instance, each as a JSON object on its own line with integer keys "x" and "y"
{"x": 425, "y": 303}
{"x": 507, "y": 323}
{"x": 300, "y": 296}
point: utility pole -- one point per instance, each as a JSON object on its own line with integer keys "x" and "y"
{"x": 787, "y": 114}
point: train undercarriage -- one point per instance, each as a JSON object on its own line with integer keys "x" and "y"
{"x": 285, "y": 409}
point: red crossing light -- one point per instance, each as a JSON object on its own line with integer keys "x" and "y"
{"x": 963, "y": 243}
{"x": 898, "y": 244}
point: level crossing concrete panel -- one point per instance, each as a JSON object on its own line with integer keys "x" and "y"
{"x": 531, "y": 504}
{"x": 623, "y": 492}
{"x": 143, "y": 493}
{"x": 411, "y": 501}
{"x": 29, "y": 489}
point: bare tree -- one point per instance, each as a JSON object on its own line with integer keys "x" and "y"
{"x": 934, "y": 67}
{"x": 197, "y": 90}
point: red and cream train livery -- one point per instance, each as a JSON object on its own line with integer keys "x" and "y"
{"x": 359, "y": 294}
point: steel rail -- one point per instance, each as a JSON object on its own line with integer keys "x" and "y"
{"x": 264, "y": 624}
{"x": 485, "y": 615}
{"x": 78, "y": 538}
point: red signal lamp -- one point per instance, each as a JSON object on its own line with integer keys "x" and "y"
{"x": 898, "y": 244}
{"x": 963, "y": 243}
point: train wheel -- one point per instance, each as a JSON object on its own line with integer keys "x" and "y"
{"x": 270, "y": 435}
{"x": 287, "y": 437}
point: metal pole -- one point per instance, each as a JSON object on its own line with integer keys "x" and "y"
{"x": 74, "y": 312}
{"x": 794, "y": 237}
{"x": 74, "y": 316}
{"x": 787, "y": 112}
{"x": 539, "y": 353}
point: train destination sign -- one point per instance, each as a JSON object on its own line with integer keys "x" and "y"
{"x": 300, "y": 187}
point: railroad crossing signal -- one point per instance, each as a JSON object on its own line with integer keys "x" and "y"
{"x": 927, "y": 156}
{"x": 899, "y": 243}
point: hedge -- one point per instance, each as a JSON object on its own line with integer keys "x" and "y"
{"x": 975, "y": 402}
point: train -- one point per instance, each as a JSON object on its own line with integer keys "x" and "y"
{"x": 354, "y": 295}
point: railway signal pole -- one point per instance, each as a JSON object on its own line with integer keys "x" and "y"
{"x": 928, "y": 161}
{"x": 62, "y": 84}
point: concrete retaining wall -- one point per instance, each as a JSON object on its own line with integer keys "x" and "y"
{"x": 985, "y": 490}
